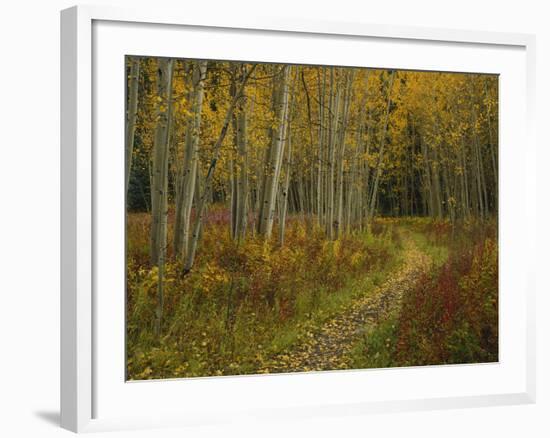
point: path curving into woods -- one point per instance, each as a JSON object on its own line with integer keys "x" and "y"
{"x": 329, "y": 347}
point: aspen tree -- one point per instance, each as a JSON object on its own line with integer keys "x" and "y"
{"x": 159, "y": 192}
{"x": 131, "y": 114}
{"x": 381, "y": 148}
{"x": 283, "y": 197}
{"x": 334, "y": 111}
{"x": 492, "y": 146}
{"x": 190, "y": 162}
{"x": 320, "y": 197}
{"x": 239, "y": 166}
{"x": 271, "y": 177}
{"x": 348, "y": 79}
{"x": 190, "y": 257}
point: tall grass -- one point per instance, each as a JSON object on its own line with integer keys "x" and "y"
{"x": 244, "y": 301}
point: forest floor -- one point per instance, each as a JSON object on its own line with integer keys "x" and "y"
{"x": 406, "y": 293}
{"x": 330, "y": 346}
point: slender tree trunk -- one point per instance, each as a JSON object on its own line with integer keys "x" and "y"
{"x": 242, "y": 151}
{"x": 381, "y": 148}
{"x": 355, "y": 180}
{"x": 334, "y": 111}
{"x": 483, "y": 183}
{"x": 131, "y": 114}
{"x": 322, "y": 90}
{"x": 367, "y": 171}
{"x": 190, "y": 258}
{"x": 160, "y": 158}
{"x": 436, "y": 183}
{"x": 341, "y": 154}
{"x": 182, "y": 164}
{"x": 466, "y": 185}
{"x": 283, "y": 198}
{"x": 159, "y": 192}
{"x": 239, "y": 166}
{"x": 271, "y": 178}
{"x": 234, "y": 198}
{"x": 493, "y": 148}
{"x": 476, "y": 159}
{"x": 191, "y": 162}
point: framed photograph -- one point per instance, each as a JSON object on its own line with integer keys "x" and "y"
{"x": 283, "y": 218}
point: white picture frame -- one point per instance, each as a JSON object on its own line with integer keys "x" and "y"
{"x": 84, "y": 389}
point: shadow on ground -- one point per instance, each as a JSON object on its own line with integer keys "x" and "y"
{"x": 51, "y": 417}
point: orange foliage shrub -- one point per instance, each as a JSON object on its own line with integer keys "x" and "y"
{"x": 452, "y": 317}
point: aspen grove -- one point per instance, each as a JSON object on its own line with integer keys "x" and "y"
{"x": 306, "y": 218}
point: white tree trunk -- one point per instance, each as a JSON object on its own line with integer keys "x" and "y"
{"x": 267, "y": 209}
{"x": 191, "y": 161}
{"x": 131, "y": 113}
{"x": 190, "y": 257}
{"x": 322, "y": 90}
{"x": 160, "y": 160}
{"x": 284, "y": 193}
{"x": 341, "y": 153}
{"x": 159, "y": 192}
{"x": 381, "y": 149}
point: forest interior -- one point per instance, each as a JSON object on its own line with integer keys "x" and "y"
{"x": 284, "y": 218}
